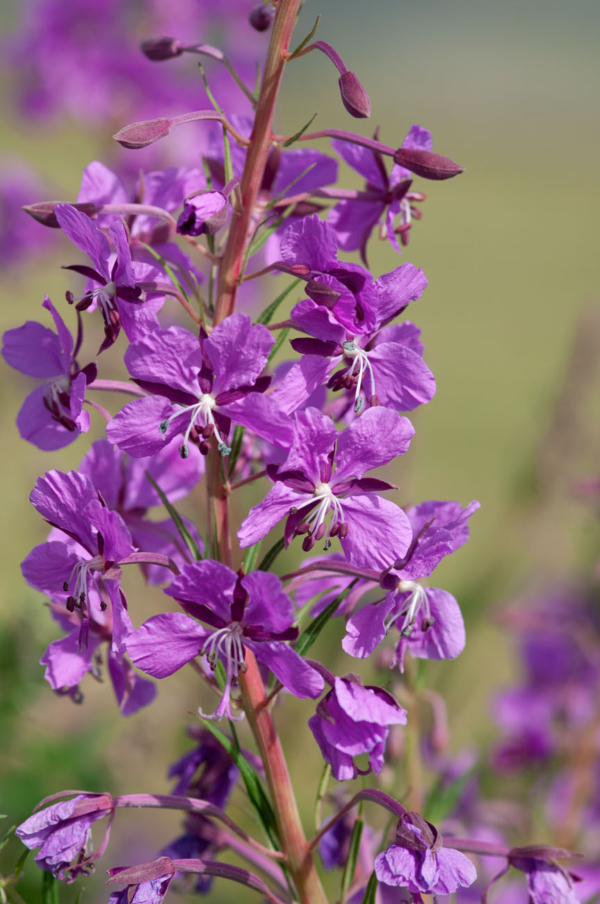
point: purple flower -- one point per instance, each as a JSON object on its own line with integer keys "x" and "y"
{"x": 124, "y": 488}
{"x": 327, "y": 585}
{"x": 419, "y": 861}
{"x": 205, "y": 213}
{"x": 199, "y": 387}
{"x": 385, "y": 365}
{"x": 51, "y": 416}
{"x": 352, "y": 720}
{"x": 116, "y": 291}
{"x": 243, "y": 613}
{"x": 371, "y": 529}
{"x": 547, "y": 883}
{"x": 151, "y": 892}
{"x": 354, "y": 220}
{"x": 63, "y": 833}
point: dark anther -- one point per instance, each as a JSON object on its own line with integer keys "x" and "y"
{"x": 343, "y": 530}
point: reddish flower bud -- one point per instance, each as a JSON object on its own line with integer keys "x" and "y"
{"x": 427, "y": 164}
{"x": 261, "y": 18}
{"x": 141, "y": 134}
{"x": 43, "y": 211}
{"x": 161, "y": 48}
{"x": 354, "y": 97}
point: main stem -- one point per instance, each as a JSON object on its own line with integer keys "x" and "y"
{"x": 299, "y": 858}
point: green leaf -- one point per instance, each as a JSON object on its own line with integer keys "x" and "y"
{"x": 310, "y": 634}
{"x": 272, "y": 554}
{"x": 49, "y": 888}
{"x": 280, "y": 340}
{"x": 350, "y": 864}
{"x": 321, "y": 792}
{"x": 253, "y": 783}
{"x": 300, "y": 132}
{"x": 209, "y": 93}
{"x": 267, "y": 314}
{"x": 79, "y": 896}
{"x": 370, "y": 890}
{"x": 177, "y": 521}
{"x": 20, "y": 864}
{"x": 236, "y": 447}
{"x": 441, "y": 800}
{"x": 168, "y": 270}
{"x": 7, "y": 836}
{"x": 251, "y": 558}
{"x": 308, "y": 38}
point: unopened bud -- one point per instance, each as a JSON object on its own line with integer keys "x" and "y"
{"x": 141, "y": 134}
{"x": 354, "y": 97}
{"x": 261, "y": 17}
{"x": 321, "y": 294}
{"x": 43, "y": 212}
{"x": 203, "y": 214}
{"x": 157, "y": 49}
{"x": 427, "y": 164}
{"x": 300, "y": 270}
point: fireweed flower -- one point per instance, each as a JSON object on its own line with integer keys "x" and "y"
{"x": 51, "y": 416}
{"x": 199, "y": 387}
{"x": 352, "y": 720}
{"x": 115, "y": 292}
{"x": 122, "y": 483}
{"x": 308, "y": 489}
{"x": 251, "y": 613}
{"x": 354, "y": 220}
{"x": 546, "y": 882}
{"x": 204, "y": 213}
{"x": 63, "y": 833}
{"x": 428, "y": 619}
{"x": 384, "y": 366}
{"x": 419, "y": 861}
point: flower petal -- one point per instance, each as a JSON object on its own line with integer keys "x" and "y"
{"x": 379, "y": 531}
{"x": 165, "y": 643}
{"x": 82, "y": 232}
{"x": 295, "y": 674}
{"x": 371, "y": 441}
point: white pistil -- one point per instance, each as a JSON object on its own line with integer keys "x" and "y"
{"x": 81, "y": 570}
{"x": 361, "y": 360}
{"x": 316, "y": 518}
{"x": 418, "y": 599}
{"x": 202, "y": 408}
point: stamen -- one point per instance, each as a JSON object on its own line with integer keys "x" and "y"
{"x": 202, "y": 408}
{"x": 417, "y": 600}
{"x": 361, "y": 359}
{"x": 226, "y": 642}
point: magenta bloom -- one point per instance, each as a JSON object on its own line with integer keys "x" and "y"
{"x": 124, "y": 488}
{"x": 63, "y": 834}
{"x": 324, "y": 473}
{"x": 205, "y": 213}
{"x": 252, "y": 612}
{"x": 51, "y": 416}
{"x": 419, "y": 861}
{"x": 354, "y": 220}
{"x": 546, "y": 882}
{"x": 199, "y": 387}
{"x": 116, "y": 291}
{"x": 352, "y": 720}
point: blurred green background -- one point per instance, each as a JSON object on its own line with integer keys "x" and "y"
{"x": 511, "y": 330}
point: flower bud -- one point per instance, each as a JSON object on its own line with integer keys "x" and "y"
{"x": 261, "y": 17}
{"x": 157, "y": 49}
{"x": 203, "y": 214}
{"x": 43, "y": 211}
{"x": 141, "y": 134}
{"x": 354, "y": 97}
{"x": 427, "y": 164}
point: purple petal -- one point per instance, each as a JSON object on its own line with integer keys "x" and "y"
{"x": 378, "y": 529}
{"x": 61, "y": 499}
{"x": 396, "y": 289}
{"x": 362, "y": 160}
{"x": 66, "y": 340}
{"x": 365, "y": 629}
{"x": 135, "y": 429}
{"x": 371, "y": 441}
{"x": 266, "y": 514}
{"x": 34, "y": 350}
{"x": 79, "y": 415}
{"x": 402, "y": 379}
{"x": 353, "y": 222}
{"x": 66, "y": 664}
{"x": 268, "y": 606}
{"x": 397, "y": 866}
{"x": 137, "y": 320}
{"x": 293, "y": 163}
{"x": 318, "y": 321}
{"x": 165, "y": 643}
{"x": 302, "y": 379}
{"x": 262, "y": 415}
{"x": 309, "y": 241}
{"x": 454, "y": 870}
{"x": 48, "y": 566}
{"x": 446, "y": 637}
{"x": 207, "y": 583}
{"x": 162, "y": 357}
{"x": 175, "y": 476}
{"x": 405, "y": 333}
{"x": 448, "y": 532}
{"x": 104, "y": 466}
{"x": 161, "y": 537}
{"x": 82, "y": 232}
{"x": 295, "y": 674}
{"x": 37, "y": 426}
{"x": 123, "y": 275}
{"x": 342, "y": 765}
{"x": 131, "y": 690}
{"x": 314, "y": 439}
{"x": 362, "y": 704}
{"x": 101, "y": 186}
{"x": 238, "y": 352}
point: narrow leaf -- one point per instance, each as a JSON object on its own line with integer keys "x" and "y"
{"x": 308, "y": 38}
{"x": 310, "y": 634}
{"x": 267, "y": 314}
{"x": 49, "y": 889}
{"x": 20, "y": 864}
{"x": 209, "y": 93}
{"x": 370, "y": 890}
{"x": 168, "y": 270}
{"x": 442, "y": 801}
{"x": 177, "y": 521}
{"x": 251, "y": 558}
{"x": 7, "y": 836}
{"x": 350, "y": 864}
{"x": 79, "y": 896}
{"x": 280, "y": 340}
{"x": 236, "y": 448}
{"x": 321, "y": 792}
{"x": 300, "y": 132}
{"x": 272, "y": 554}
{"x": 253, "y": 783}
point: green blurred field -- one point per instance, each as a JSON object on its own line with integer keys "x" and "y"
{"x": 510, "y": 91}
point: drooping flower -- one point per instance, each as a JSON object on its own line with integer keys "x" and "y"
{"x": 115, "y": 290}
{"x": 354, "y": 220}
{"x": 51, "y": 416}
{"x": 63, "y": 833}
{"x": 124, "y": 487}
{"x": 199, "y": 387}
{"x": 384, "y": 366}
{"x": 323, "y": 474}
{"x": 547, "y": 883}
{"x": 352, "y": 720}
{"x": 419, "y": 861}
{"x": 250, "y": 613}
